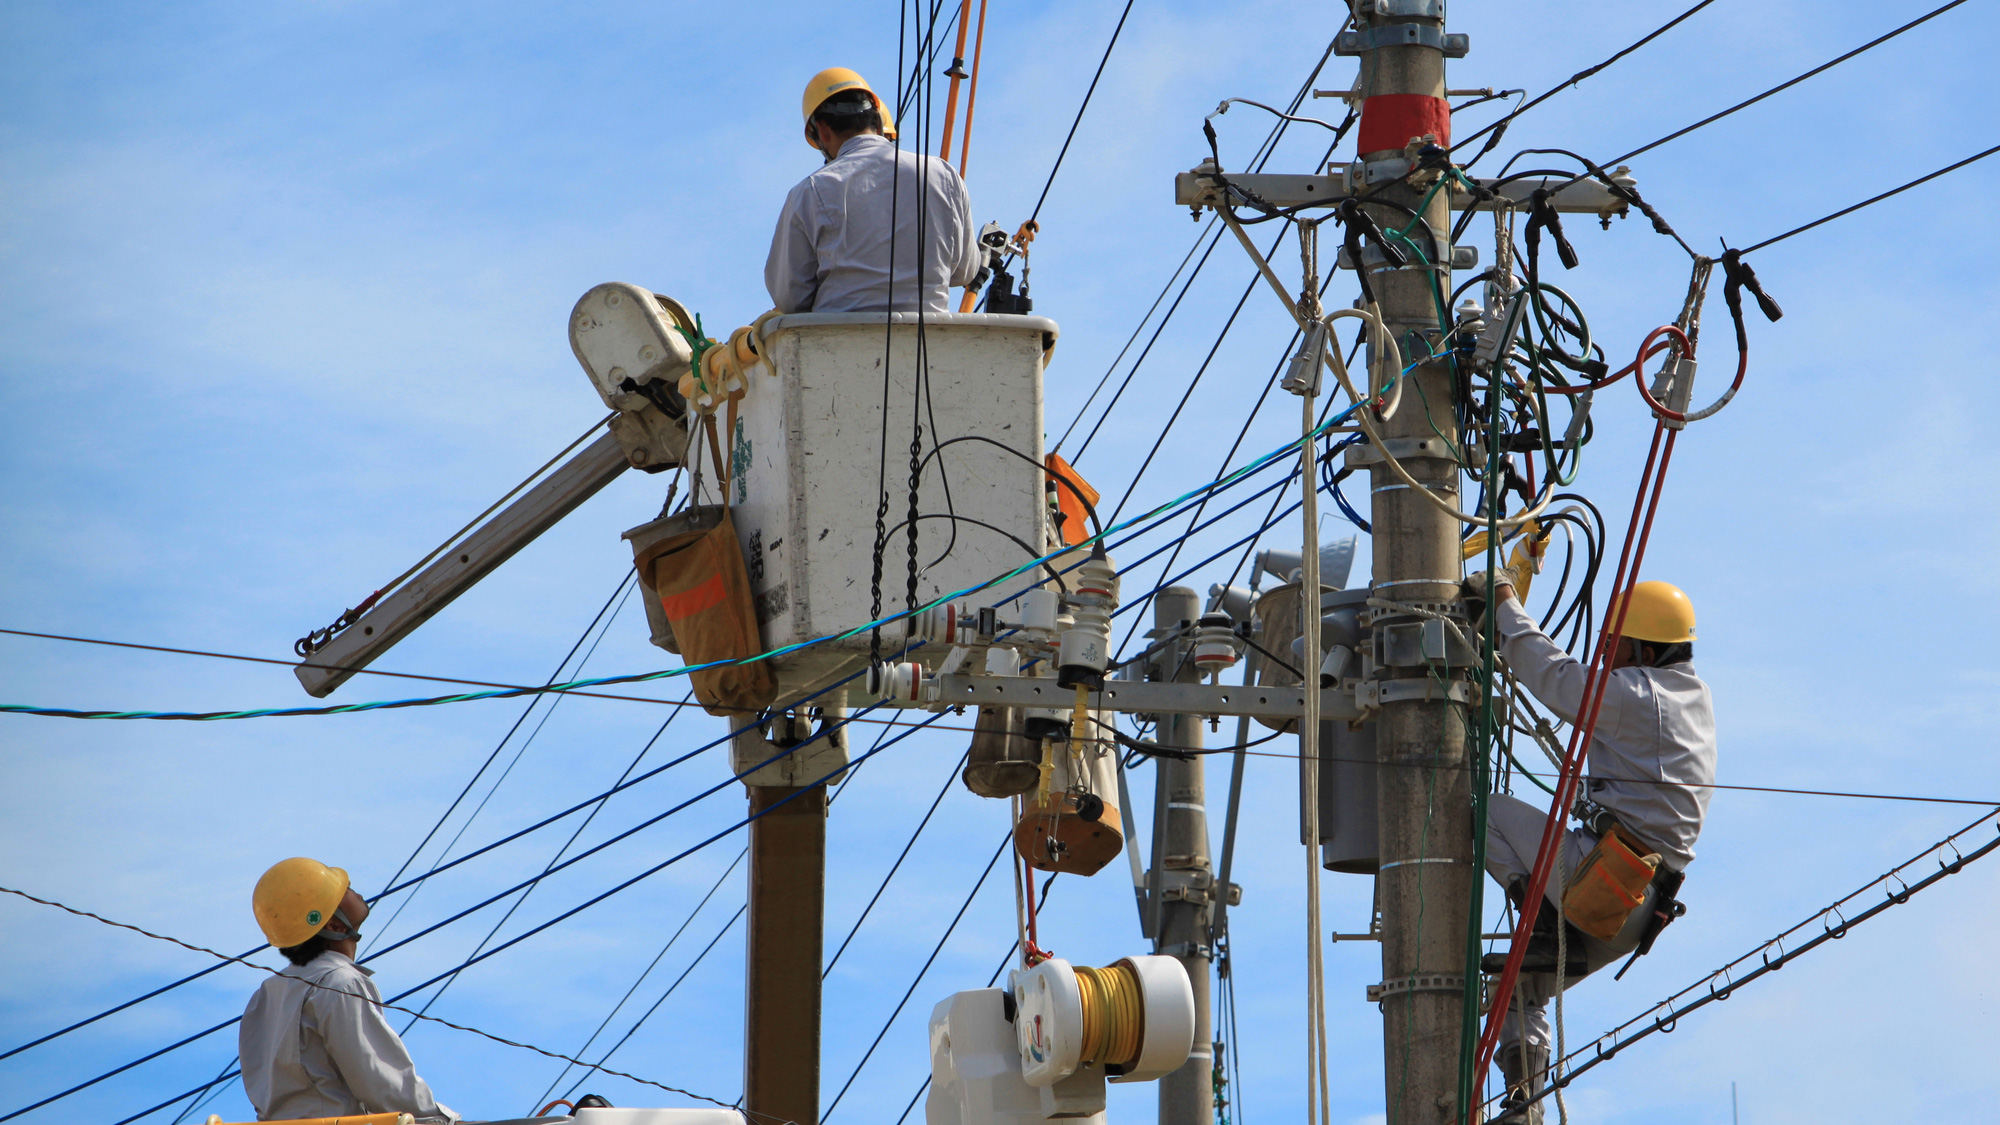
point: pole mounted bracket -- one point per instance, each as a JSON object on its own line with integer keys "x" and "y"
{"x": 1369, "y": 694}
{"x": 1416, "y": 982}
{"x": 1454, "y": 45}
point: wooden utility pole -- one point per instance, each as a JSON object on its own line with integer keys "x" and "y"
{"x": 1423, "y": 796}
{"x": 1183, "y": 882}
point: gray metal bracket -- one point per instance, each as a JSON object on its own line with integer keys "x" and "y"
{"x": 1289, "y": 189}
{"x": 1422, "y": 9}
{"x": 1453, "y": 44}
{"x": 1374, "y": 693}
{"x": 1363, "y": 454}
{"x": 1416, "y": 982}
{"x": 1462, "y": 258}
{"x": 1154, "y": 698}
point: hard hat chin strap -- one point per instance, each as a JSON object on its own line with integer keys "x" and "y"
{"x": 341, "y": 928}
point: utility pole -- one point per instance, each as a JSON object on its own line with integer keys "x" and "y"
{"x": 1182, "y": 882}
{"x": 786, "y": 913}
{"x": 1423, "y": 796}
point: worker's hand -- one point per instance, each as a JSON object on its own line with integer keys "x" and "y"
{"x": 1503, "y": 585}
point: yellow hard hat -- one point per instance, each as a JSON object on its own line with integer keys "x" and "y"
{"x": 1660, "y": 612}
{"x": 296, "y": 898}
{"x": 836, "y": 79}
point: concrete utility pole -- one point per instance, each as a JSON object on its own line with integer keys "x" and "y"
{"x": 786, "y": 915}
{"x": 1424, "y": 797}
{"x": 1181, "y": 880}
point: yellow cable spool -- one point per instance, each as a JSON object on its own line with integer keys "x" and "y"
{"x": 1114, "y": 1018}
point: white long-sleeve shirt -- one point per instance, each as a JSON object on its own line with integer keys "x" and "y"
{"x": 327, "y": 1052}
{"x": 830, "y": 252}
{"x": 1655, "y": 725}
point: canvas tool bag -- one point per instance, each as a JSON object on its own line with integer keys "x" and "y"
{"x": 1609, "y": 884}
{"x": 696, "y": 572}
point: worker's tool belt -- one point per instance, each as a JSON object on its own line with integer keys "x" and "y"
{"x": 1609, "y": 884}
{"x": 699, "y": 578}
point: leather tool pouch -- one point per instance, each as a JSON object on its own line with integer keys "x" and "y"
{"x": 698, "y": 577}
{"x": 1608, "y": 886}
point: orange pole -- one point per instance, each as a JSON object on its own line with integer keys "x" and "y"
{"x": 957, "y": 68}
{"x": 972, "y": 94}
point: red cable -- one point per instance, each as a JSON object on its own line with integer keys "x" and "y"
{"x": 1639, "y": 529}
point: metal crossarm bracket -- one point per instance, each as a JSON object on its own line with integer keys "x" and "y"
{"x": 1144, "y": 697}
{"x": 1417, "y": 982}
{"x": 1454, "y": 45}
{"x": 1363, "y": 454}
{"x": 1285, "y": 189}
{"x": 1374, "y": 693}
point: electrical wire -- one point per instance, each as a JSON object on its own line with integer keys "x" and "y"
{"x": 1788, "y": 83}
{"x": 647, "y": 971}
{"x": 227, "y": 959}
{"x": 949, "y": 777}
{"x": 1665, "y": 1016}
{"x": 1005, "y": 842}
{"x": 1871, "y": 200}
{"x": 1499, "y": 128}
{"x": 517, "y": 939}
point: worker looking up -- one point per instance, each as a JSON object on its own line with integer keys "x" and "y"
{"x": 833, "y": 247}
{"x": 325, "y": 1051}
{"x": 1651, "y": 762}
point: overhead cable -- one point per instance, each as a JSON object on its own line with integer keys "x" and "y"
{"x": 1064, "y": 151}
{"x": 517, "y": 939}
{"x": 1722, "y": 983}
{"x": 647, "y": 971}
{"x": 1227, "y": 481}
{"x": 313, "y": 984}
{"x": 1872, "y": 200}
{"x": 1788, "y": 83}
{"x": 1499, "y": 128}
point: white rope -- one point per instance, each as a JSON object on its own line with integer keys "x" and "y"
{"x": 1309, "y": 612}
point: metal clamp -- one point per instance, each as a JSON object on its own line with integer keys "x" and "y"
{"x": 1462, "y": 258}
{"x": 1374, "y": 693}
{"x": 1416, "y": 982}
{"x": 1188, "y": 949}
{"x": 1453, "y": 45}
{"x": 1363, "y": 454}
{"x": 1424, "y": 9}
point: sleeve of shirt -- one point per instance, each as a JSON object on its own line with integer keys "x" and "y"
{"x": 371, "y": 1056}
{"x": 791, "y": 273}
{"x": 965, "y": 250}
{"x": 1556, "y": 678}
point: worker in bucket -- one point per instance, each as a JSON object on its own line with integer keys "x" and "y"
{"x": 1651, "y": 763}
{"x": 315, "y": 1042}
{"x": 871, "y": 202}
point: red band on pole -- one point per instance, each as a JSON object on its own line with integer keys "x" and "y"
{"x": 1390, "y": 120}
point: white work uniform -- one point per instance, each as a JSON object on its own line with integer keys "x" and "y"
{"x": 329, "y": 1051}
{"x": 831, "y": 250}
{"x": 1655, "y": 725}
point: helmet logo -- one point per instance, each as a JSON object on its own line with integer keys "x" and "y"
{"x": 313, "y": 917}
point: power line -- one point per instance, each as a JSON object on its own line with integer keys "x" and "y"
{"x": 1064, "y": 151}
{"x": 1787, "y": 84}
{"x": 564, "y": 916}
{"x": 314, "y": 984}
{"x": 1499, "y": 128}
{"x": 641, "y": 1021}
{"x": 1875, "y": 199}
{"x": 1834, "y": 925}
{"x": 896, "y": 866}
{"x": 1005, "y": 841}
{"x": 615, "y": 1008}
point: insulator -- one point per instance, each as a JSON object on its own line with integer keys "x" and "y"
{"x": 902, "y": 682}
{"x": 1216, "y": 645}
{"x": 1086, "y": 642}
{"x": 1038, "y": 611}
{"x": 943, "y": 624}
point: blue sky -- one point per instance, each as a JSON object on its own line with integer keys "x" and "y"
{"x": 282, "y": 301}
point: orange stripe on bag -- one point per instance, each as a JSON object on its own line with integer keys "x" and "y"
{"x": 687, "y": 603}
